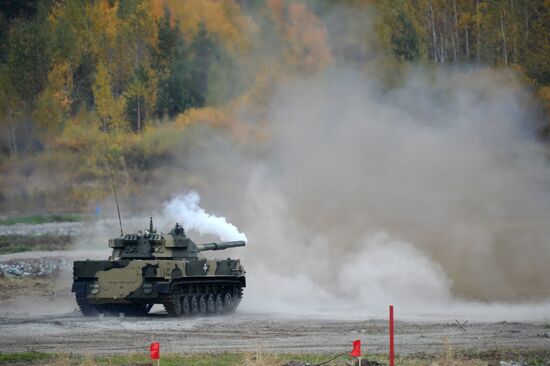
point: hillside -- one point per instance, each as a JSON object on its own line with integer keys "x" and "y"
{"x": 136, "y": 85}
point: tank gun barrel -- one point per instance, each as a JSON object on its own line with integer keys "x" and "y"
{"x": 220, "y": 246}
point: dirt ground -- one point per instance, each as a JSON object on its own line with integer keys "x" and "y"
{"x": 65, "y": 330}
{"x": 70, "y": 332}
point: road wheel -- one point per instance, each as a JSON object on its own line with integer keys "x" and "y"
{"x": 227, "y": 303}
{"x": 237, "y": 297}
{"x": 202, "y": 304}
{"x": 194, "y": 305}
{"x": 210, "y": 304}
{"x": 177, "y": 306}
{"x": 186, "y": 307}
{"x": 219, "y": 304}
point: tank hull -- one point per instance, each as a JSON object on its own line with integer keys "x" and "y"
{"x": 184, "y": 287}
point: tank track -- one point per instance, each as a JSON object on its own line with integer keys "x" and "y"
{"x": 85, "y": 308}
{"x": 202, "y": 299}
{"x": 88, "y": 309}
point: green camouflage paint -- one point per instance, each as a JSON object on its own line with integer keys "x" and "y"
{"x": 155, "y": 268}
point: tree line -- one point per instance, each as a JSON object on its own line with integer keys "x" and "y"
{"x": 498, "y": 33}
{"x": 129, "y": 61}
{"x": 494, "y": 32}
{"x": 125, "y": 61}
{"x": 77, "y": 75}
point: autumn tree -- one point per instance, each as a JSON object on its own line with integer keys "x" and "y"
{"x": 536, "y": 33}
{"x": 9, "y": 115}
{"x": 70, "y": 44}
{"x": 109, "y": 107}
{"x": 134, "y": 56}
{"x": 140, "y": 97}
{"x": 401, "y": 31}
{"x": 26, "y": 71}
{"x": 204, "y": 50}
{"x": 53, "y": 106}
{"x": 172, "y": 66}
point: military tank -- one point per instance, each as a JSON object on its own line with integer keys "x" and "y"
{"x": 150, "y": 268}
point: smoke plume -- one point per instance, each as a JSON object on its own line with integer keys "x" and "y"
{"x": 186, "y": 208}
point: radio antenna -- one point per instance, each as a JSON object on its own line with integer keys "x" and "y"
{"x": 109, "y": 165}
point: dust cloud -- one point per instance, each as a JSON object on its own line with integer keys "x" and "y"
{"x": 430, "y": 191}
{"x": 432, "y": 195}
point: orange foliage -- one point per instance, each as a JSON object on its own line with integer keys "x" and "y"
{"x": 157, "y": 8}
{"x": 217, "y": 118}
{"x": 60, "y": 82}
{"x": 223, "y": 18}
{"x": 277, "y": 9}
{"x": 305, "y": 35}
{"x": 213, "y": 116}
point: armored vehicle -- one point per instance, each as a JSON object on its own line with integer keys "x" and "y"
{"x": 155, "y": 268}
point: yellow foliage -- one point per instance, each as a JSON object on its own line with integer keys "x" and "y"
{"x": 78, "y": 138}
{"x": 156, "y": 142}
{"x": 544, "y": 96}
{"x": 217, "y": 117}
{"x": 104, "y": 25}
{"x": 93, "y": 26}
{"x": 223, "y": 117}
{"x": 54, "y": 102}
{"x": 108, "y": 107}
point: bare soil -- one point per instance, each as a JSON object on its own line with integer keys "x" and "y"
{"x": 65, "y": 330}
{"x": 72, "y": 333}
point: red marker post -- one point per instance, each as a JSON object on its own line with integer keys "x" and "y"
{"x": 155, "y": 351}
{"x": 356, "y": 352}
{"x": 392, "y": 354}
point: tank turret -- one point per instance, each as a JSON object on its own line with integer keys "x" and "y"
{"x": 151, "y": 267}
{"x": 152, "y": 245}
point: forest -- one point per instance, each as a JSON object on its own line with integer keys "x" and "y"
{"x": 88, "y": 85}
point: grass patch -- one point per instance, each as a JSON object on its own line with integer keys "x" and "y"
{"x": 224, "y": 359}
{"x": 25, "y": 358}
{"x": 167, "y": 359}
{"x": 25, "y": 243}
{"x": 447, "y": 357}
{"x": 42, "y": 219}
{"x": 208, "y": 359}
